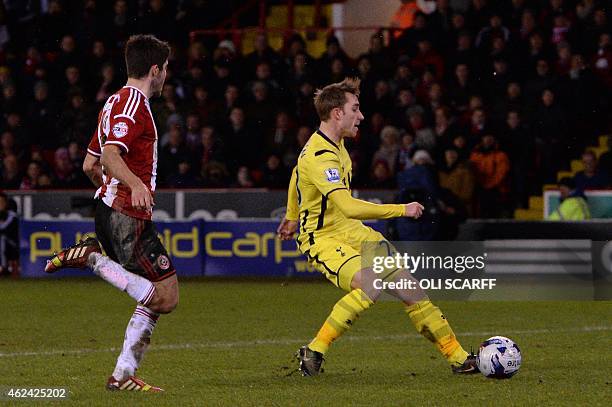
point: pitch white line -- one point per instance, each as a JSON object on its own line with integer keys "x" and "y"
{"x": 259, "y": 342}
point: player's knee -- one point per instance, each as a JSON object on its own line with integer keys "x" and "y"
{"x": 168, "y": 305}
{"x": 163, "y": 304}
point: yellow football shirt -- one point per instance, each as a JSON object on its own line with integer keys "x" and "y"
{"x": 323, "y": 167}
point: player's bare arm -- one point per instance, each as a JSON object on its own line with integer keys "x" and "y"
{"x": 93, "y": 169}
{"x": 413, "y": 210}
{"x": 288, "y": 225}
{"x": 112, "y": 161}
{"x": 287, "y": 228}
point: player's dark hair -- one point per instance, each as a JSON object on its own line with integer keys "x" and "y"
{"x": 334, "y": 95}
{"x": 142, "y": 52}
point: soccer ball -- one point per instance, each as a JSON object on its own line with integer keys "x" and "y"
{"x": 499, "y": 358}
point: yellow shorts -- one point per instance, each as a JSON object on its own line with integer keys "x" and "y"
{"x": 339, "y": 257}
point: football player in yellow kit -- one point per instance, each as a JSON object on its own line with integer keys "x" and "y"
{"x": 332, "y": 235}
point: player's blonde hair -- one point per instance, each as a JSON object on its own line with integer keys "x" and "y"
{"x": 334, "y": 95}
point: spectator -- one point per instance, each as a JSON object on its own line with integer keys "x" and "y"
{"x": 407, "y": 149}
{"x": 379, "y": 55}
{"x": 107, "y": 83}
{"x": 388, "y": 150}
{"x": 333, "y": 54}
{"x": 231, "y": 99}
{"x": 602, "y": 61}
{"x": 457, "y": 176}
{"x": 427, "y": 58}
{"x": 75, "y": 121}
{"x": 8, "y": 146}
{"x": 290, "y": 156}
{"x": 542, "y": 80}
{"x": 9, "y": 238}
{"x": 273, "y": 173}
{"x": 42, "y": 116}
{"x": 418, "y": 183}
{"x": 478, "y": 125}
{"x": 261, "y": 110}
{"x": 403, "y": 77}
{"x": 173, "y": 152}
{"x": 192, "y": 134}
{"x": 409, "y": 39}
{"x": 590, "y": 177}
{"x": 223, "y": 75}
{"x": 383, "y": 99}
{"x": 54, "y": 24}
{"x": 564, "y": 59}
{"x": 305, "y": 111}
{"x": 593, "y": 30}
{"x": 262, "y": 52}
{"x": 403, "y": 18}
{"x": 209, "y": 148}
{"x": 300, "y": 69}
{"x": 281, "y": 137}
{"x": 215, "y": 175}
{"x": 184, "y": 177}
{"x": 404, "y": 102}
{"x": 444, "y": 128}
{"x": 243, "y": 178}
{"x": 518, "y": 142}
{"x": 76, "y": 155}
{"x": 573, "y": 204}
{"x": 381, "y": 176}
{"x": 204, "y": 106}
{"x": 10, "y": 102}
{"x": 245, "y": 146}
{"x": 551, "y": 129}
{"x": 464, "y": 52}
{"x": 461, "y": 88}
{"x": 495, "y": 29}
{"x": 492, "y": 169}
{"x": 11, "y": 177}
{"x": 168, "y": 108}
{"x": 31, "y": 179}
{"x": 64, "y": 172}
{"x": 425, "y": 136}
{"x": 368, "y": 81}
{"x": 20, "y": 130}
{"x": 119, "y": 29}
{"x": 263, "y": 73}
{"x": 158, "y": 20}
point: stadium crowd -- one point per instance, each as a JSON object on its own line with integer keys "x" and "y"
{"x": 487, "y": 99}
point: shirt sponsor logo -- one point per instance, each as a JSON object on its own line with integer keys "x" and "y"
{"x": 120, "y": 129}
{"x": 332, "y": 174}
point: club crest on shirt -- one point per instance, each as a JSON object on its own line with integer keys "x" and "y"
{"x": 163, "y": 262}
{"x": 120, "y": 129}
{"x": 332, "y": 174}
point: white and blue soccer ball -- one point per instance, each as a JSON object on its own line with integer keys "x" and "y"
{"x": 499, "y": 358}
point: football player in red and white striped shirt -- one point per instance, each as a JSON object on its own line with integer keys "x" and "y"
{"x": 122, "y": 162}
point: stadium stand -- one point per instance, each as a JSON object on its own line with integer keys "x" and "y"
{"x": 522, "y": 84}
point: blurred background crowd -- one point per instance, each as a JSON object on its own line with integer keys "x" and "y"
{"x": 488, "y": 99}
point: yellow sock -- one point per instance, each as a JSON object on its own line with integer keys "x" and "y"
{"x": 429, "y": 322}
{"x": 343, "y": 315}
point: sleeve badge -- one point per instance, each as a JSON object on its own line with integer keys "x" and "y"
{"x": 120, "y": 129}
{"x": 332, "y": 174}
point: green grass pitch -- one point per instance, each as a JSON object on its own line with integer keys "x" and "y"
{"x": 231, "y": 343}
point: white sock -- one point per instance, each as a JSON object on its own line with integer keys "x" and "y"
{"x": 137, "y": 287}
{"x": 137, "y": 339}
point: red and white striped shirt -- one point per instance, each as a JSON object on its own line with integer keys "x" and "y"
{"x": 127, "y": 122}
